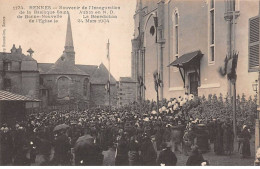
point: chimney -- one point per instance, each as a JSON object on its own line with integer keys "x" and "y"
{"x": 19, "y": 50}
{"x": 13, "y": 50}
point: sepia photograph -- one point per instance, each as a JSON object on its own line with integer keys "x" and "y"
{"x": 129, "y": 83}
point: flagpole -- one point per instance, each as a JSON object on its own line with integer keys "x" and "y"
{"x": 108, "y": 57}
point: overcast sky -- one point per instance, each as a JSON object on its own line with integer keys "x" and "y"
{"x": 48, "y": 40}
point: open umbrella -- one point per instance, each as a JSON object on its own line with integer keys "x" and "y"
{"x": 60, "y": 127}
{"x": 84, "y": 141}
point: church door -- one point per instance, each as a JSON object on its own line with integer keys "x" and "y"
{"x": 193, "y": 77}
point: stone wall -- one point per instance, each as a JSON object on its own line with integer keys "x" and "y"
{"x": 99, "y": 96}
{"x": 127, "y": 93}
{"x": 75, "y": 88}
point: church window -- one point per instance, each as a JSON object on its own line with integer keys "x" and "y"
{"x": 176, "y": 18}
{"x": 63, "y": 87}
{"x": 175, "y": 21}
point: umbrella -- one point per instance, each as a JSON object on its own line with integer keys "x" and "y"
{"x": 85, "y": 138}
{"x": 84, "y": 141}
{"x": 61, "y": 127}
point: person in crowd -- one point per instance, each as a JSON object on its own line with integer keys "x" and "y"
{"x": 202, "y": 138}
{"x": 109, "y": 156}
{"x": 196, "y": 158}
{"x": 20, "y": 147}
{"x": 61, "y": 149}
{"x": 122, "y": 151}
{"x": 87, "y": 152}
{"x": 228, "y": 137}
{"x": 148, "y": 154}
{"x": 188, "y": 140}
{"x": 166, "y": 156}
{"x": 218, "y": 143}
{"x": 6, "y": 146}
{"x": 246, "y": 142}
{"x": 44, "y": 149}
{"x": 133, "y": 154}
{"x": 129, "y": 135}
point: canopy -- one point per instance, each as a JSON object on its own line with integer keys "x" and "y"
{"x": 187, "y": 58}
{"x": 8, "y": 96}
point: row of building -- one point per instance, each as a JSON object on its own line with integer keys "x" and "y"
{"x": 62, "y": 83}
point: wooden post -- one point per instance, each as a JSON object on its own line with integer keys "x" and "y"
{"x": 234, "y": 111}
{"x": 157, "y": 100}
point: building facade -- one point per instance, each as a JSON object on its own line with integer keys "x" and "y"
{"x": 19, "y": 73}
{"x": 59, "y": 83}
{"x": 186, "y": 42}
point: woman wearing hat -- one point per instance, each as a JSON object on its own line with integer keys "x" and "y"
{"x": 245, "y": 134}
{"x": 196, "y": 158}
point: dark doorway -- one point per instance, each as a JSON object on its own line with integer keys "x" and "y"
{"x": 194, "y": 83}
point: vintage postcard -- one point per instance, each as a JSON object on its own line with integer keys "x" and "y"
{"x": 129, "y": 82}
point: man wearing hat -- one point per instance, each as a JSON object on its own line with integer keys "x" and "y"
{"x": 166, "y": 156}
{"x": 6, "y": 146}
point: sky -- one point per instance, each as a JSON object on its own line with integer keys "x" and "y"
{"x": 48, "y": 40}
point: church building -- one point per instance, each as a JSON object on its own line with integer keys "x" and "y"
{"x": 60, "y": 83}
{"x": 186, "y": 43}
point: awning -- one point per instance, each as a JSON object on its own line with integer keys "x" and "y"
{"x": 8, "y": 96}
{"x": 187, "y": 58}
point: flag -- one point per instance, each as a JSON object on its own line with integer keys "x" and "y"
{"x": 155, "y": 77}
{"x": 107, "y": 87}
{"x": 157, "y": 80}
{"x": 108, "y": 50}
{"x": 141, "y": 82}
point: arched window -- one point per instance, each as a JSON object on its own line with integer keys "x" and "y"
{"x": 63, "y": 87}
{"x": 212, "y": 32}
{"x": 176, "y": 34}
{"x": 85, "y": 87}
{"x": 175, "y": 19}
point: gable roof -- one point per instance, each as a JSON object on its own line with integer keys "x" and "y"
{"x": 98, "y": 74}
{"x": 101, "y": 76}
{"x": 44, "y": 67}
{"x": 64, "y": 66}
{"x": 89, "y": 69}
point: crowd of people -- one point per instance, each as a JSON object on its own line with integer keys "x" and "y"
{"x": 135, "y": 134}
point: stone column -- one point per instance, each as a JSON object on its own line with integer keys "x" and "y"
{"x": 161, "y": 42}
{"x": 257, "y": 121}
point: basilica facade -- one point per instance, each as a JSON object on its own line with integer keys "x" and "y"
{"x": 186, "y": 43}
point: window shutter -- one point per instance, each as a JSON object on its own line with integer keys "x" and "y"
{"x": 253, "y": 49}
